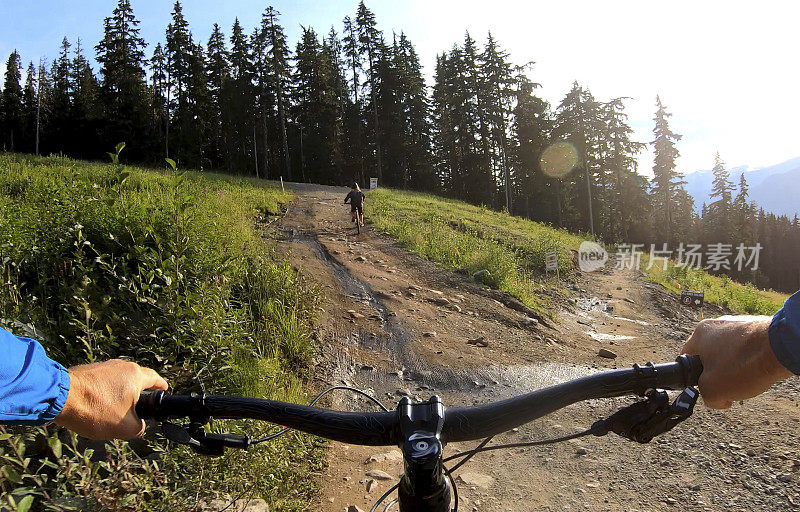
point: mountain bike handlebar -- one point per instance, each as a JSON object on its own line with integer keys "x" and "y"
{"x": 457, "y": 423}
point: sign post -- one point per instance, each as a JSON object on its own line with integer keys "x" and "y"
{"x": 551, "y": 263}
{"x": 693, "y": 300}
{"x": 373, "y": 183}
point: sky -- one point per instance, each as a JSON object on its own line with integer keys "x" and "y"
{"x": 726, "y": 70}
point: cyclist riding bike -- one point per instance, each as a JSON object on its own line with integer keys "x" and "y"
{"x": 356, "y": 199}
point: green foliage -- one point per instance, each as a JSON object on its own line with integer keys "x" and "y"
{"x": 470, "y": 238}
{"x": 166, "y": 268}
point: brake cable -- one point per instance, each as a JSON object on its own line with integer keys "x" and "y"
{"x": 640, "y": 422}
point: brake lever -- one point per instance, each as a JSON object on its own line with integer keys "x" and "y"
{"x": 202, "y": 442}
{"x": 644, "y": 420}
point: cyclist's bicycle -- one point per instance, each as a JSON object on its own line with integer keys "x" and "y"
{"x": 421, "y": 429}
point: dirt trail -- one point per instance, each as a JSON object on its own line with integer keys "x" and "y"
{"x": 395, "y": 324}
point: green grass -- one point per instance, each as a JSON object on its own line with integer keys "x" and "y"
{"x": 720, "y": 290}
{"x": 171, "y": 270}
{"x": 470, "y": 238}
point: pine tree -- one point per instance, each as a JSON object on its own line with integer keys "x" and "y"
{"x": 123, "y": 89}
{"x": 178, "y": 54}
{"x": 530, "y": 129}
{"x": 578, "y": 121}
{"x": 497, "y": 81}
{"x": 12, "y": 103}
{"x": 370, "y": 43}
{"x": 626, "y": 192}
{"x": 239, "y": 97}
{"x": 60, "y": 131}
{"x": 315, "y": 109}
{"x": 86, "y": 110}
{"x": 720, "y": 210}
{"x": 279, "y": 77}
{"x": 218, "y": 75}
{"x": 666, "y": 180}
{"x": 29, "y": 110}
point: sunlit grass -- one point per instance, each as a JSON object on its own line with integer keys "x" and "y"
{"x": 738, "y": 297}
{"x": 470, "y": 239}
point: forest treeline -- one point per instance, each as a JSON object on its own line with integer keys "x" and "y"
{"x": 353, "y": 103}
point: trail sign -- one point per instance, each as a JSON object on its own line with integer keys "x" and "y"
{"x": 692, "y": 299}
{"x": 373, "y": 183}
{"x": 551, "y": 261}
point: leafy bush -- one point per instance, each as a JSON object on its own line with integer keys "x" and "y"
{"x": 169, "y": 269}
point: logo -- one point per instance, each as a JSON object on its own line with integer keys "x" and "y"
{"x": 591, "y": 256}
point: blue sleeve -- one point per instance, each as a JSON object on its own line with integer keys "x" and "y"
{"x": 33, "y": 387}
{"x": 784, "y": 334}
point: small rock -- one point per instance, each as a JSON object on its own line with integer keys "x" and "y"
{"x": 581, "y": 451}
{"x": 479, "y": 342}
{"x": 392, "y": 455}
{"x": 626, "y": 299}
{"x": 604, "y": 352}
{"x": 530, "y": 321}
{"x": 371, "y": 484}
{"x": 416, "y": 287}
{"x": 353, "y": 508}
{"x": 429, "y": 334}
{"x": 456, "y": 308}
{"x": 440, "y": 301}
{"x": 619, "y": 287}
{"x": 403, "y": 392}
{"x": 354, "y": 314}
{"x": 481, "y": 275}
{"x": 378, "y": 474}
{"x": 361, "y": 258}
{"x": 476, "y": 479}
{"x": 256, "y": 505}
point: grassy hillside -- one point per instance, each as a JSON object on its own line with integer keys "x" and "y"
{"x": 470, "y": 238}
{"x": 721, "y": 290}
{"x": 170, "y": 270}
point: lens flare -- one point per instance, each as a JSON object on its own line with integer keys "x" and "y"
{"x": 558, "y": 159}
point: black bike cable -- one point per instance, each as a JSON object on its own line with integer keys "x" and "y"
{"x": 449, "y": 473}
{"x": 313, "y": 402}
{"x": 383, "y": 497}
{"x": 470, "y": 453}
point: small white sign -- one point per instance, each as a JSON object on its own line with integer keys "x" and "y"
{"x": 551, "y": 261}
{"x": 373, "y": 183}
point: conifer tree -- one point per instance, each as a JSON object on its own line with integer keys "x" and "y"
{"x": 279, "y": 77}
{"x": 218, "y": 75}
{"x": 12, "y": 103}
{"x": 666, "y": 180}
{"x": 123, "y": 89}
{"x": 370, "y": 42}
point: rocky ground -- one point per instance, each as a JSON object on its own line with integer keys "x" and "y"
{"x": 394, "y": 324}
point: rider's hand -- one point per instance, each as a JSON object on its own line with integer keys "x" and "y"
{"x": 738, "y": 361}
{"x": 102, "y": 397}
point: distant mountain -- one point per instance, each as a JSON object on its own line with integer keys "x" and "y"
{"x": 775, "y": 188}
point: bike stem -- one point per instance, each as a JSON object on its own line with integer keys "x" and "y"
{"x": 423, "y": 485}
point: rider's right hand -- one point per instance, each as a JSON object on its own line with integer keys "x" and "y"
{"x": 738, "y": 361}
{"x": 102, "y": 397}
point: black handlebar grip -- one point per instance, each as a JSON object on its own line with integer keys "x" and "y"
{"x": 693, "y": 368}
{"x": 148, "y": 403}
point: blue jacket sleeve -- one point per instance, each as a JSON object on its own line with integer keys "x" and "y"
{"x": 784, "y": 334}
{"x": 33, "y": 388}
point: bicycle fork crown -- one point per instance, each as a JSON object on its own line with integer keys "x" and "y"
{"x": 423, "y": 486}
